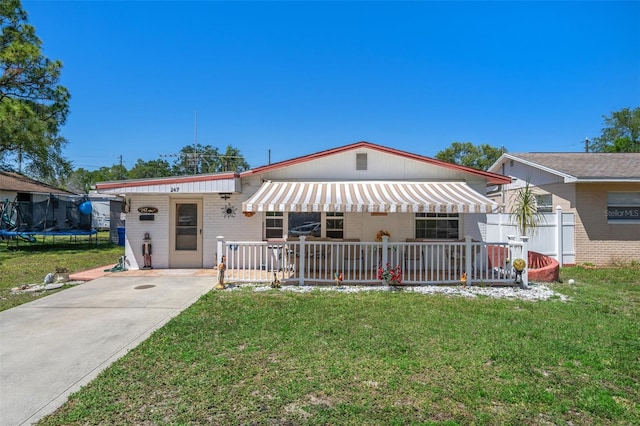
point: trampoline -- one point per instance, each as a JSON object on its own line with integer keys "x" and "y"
{"x": 47, "y": 215}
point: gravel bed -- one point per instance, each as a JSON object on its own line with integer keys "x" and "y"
{"x": 533, "y": 292}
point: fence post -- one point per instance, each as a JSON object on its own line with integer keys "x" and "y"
{"x": 385, "y": 246}
{"x": 301, "y": 267}
{"x": 467, "y": 259}
{"x": 559, "y": 232}
{"x": 220, "y": 249}
{"x": 525, "y": 256}
{"x": 511, "y": 255}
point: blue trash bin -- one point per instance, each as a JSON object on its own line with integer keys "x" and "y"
{"x": 121, "y": 236}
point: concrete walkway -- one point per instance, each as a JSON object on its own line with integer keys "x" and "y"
{"x": 51, "y": 347}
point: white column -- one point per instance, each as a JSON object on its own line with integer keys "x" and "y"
{"x": 301, "y": 267}
{"x": 467, "y": 259}
{"x": 559, "y": 231}
{"x": 385, "y": 246}
{"x": 512, "y": 254}
{"x": 525, "y": 256}
{"x": 220, "y": 249}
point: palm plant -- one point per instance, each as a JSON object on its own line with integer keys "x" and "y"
{"x": 524, "y": 210}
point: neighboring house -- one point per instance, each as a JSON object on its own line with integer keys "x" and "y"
{"x": 601, "y": 189}
{"x": 14, "y": 186}
{"x": 351, "y": 192}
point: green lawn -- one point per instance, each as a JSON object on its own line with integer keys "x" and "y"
{"x": 30, "y": 263}
{"x": 376, "y": 358}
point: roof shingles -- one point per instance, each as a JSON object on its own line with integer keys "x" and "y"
{"x": 592, "y": 165}
{"x": 10, "y": 181}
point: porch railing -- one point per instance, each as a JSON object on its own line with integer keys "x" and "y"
{"x": 353, "y": 262}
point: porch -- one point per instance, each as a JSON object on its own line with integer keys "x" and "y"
{"x": 325, "y": 261}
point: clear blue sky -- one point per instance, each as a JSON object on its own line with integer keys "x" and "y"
{"x": 299, "y": 77}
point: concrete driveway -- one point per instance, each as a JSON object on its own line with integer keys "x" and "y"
{"x": 51, "y": 347}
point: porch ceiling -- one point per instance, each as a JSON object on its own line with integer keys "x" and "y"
{"x": 361, "y": 196}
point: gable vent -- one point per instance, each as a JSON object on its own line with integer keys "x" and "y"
{"x": 361, "y": 161}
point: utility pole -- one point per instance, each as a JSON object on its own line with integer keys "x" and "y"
{"x": 120, "y": 176}
{"x": 196, "y": 158}
{"x": 195, "y": 142}
{"x": 586, "y": 144}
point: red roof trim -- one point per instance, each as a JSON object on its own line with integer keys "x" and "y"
{"x": 165, "y": 181}
{"x": 491, "y": 177}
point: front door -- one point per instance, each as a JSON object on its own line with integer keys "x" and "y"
{"x": 186, "y": 233}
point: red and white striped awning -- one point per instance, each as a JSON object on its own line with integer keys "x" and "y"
{"x": 381, "y": 197}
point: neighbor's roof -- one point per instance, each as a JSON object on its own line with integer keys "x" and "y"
{"x": 583, "y": 166}
{"x": 10, "y": 181}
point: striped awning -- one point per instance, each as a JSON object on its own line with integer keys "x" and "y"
{"x": 380, "y": 197}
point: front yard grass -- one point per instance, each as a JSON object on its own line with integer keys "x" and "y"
{"x": 30, "y": 263}
{"x": 373, "y": 358}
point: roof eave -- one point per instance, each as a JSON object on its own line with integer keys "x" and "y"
{"x": 491, "y": 177}
{"x": 565, "y": 176}
{"x": 606, "y": 180}
{"x": 100, "y": 186}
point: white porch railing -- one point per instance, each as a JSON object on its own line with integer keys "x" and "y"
{"x": 351, "y": 262}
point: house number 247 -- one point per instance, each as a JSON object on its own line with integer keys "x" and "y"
{"x": 175, "y": 189}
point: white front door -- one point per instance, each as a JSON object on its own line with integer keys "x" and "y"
{"x": 186, "y": 233}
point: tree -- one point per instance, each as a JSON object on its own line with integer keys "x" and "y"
{"x": 149, "y": 169}
{"x": 479, "y": 157}
{"x": 33, "y": 105}
{"x": 196, "y": 159}
{"x": 621, "y": 132}
{"x": 80, "y": 181}
{"x": 232, "y": 161}
{"x": 115, "y": 172}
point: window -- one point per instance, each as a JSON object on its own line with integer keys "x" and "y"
{"x": 308, "y": 224}
{"x": 623, "y": 207}
{"x": 544, "y": 203}
{"x": 23, "y": 196}
{"x": 335, "y": 225}
{"x": 361, "y": 161}
{"x": 273, "y": 225}
{"x": 437, "y": 225}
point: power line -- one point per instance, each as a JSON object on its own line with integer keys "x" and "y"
{"x": 196, "y": 158}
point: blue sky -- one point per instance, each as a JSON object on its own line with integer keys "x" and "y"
{"x": 299, "y": 77}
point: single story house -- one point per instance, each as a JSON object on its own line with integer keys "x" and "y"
{"x": 18, "y": 187}
{"x": 601, "y": 189}
{"x": 352, "y": 192}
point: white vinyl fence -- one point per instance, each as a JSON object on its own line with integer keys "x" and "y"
{"x": 554, "y": 237}
{"x": 354, "y": 262}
